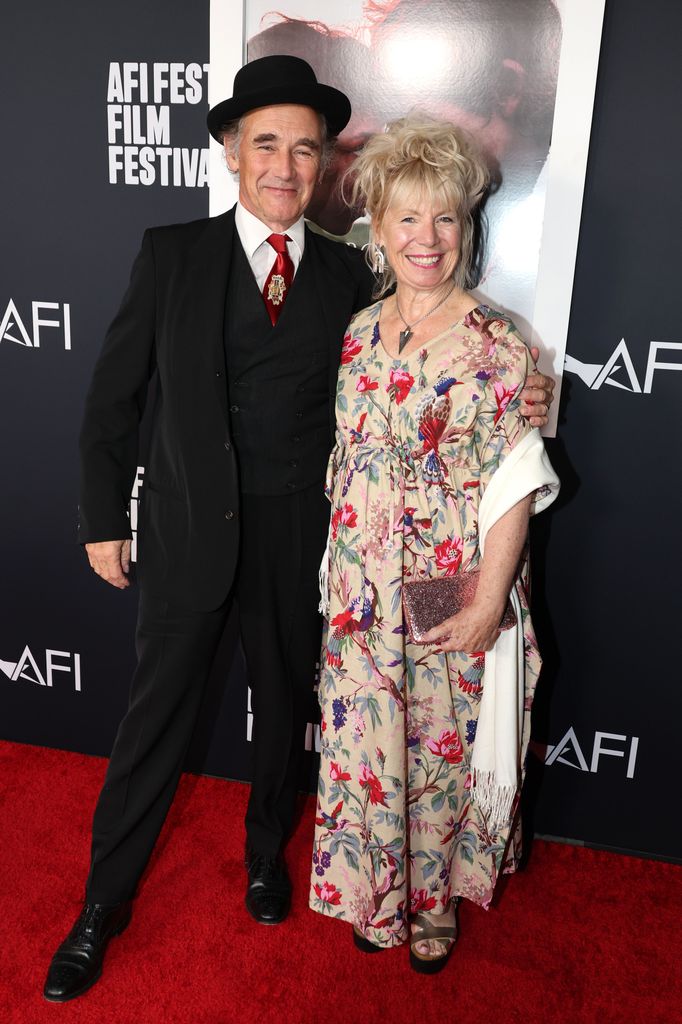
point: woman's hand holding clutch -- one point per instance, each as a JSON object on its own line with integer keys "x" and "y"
{"x": 473, "y": 629}
{"x": 476, "y": 627}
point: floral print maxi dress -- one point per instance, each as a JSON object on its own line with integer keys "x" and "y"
{"x": 418, "y": 438}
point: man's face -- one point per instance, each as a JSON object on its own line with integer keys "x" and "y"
{"x": 278, "y": 161}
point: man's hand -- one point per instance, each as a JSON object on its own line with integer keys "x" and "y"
{"x": 110, "y": 559}
{"x": 537, "y": 395}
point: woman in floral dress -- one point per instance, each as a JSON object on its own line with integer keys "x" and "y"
{"x": 409, "y": 818}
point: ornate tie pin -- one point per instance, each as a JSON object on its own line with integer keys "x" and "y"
{"x": 277, "y": 289}
{"x": 279, "y": 279}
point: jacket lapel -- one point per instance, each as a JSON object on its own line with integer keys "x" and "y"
{"x": 210, "y": 269}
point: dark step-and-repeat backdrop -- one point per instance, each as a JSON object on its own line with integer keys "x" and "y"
{"x": 104, "y": 134}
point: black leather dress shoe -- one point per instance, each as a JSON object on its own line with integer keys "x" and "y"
{"x": 77, "y": 964}
{"x": 268, "y": 894}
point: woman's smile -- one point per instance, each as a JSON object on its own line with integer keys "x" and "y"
{"x": 424, "y": 261}
{"x": 422, "y": 241}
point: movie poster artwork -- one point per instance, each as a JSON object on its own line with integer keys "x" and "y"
{"x": 489, "y": 66}
{"x": 519, "y": 75}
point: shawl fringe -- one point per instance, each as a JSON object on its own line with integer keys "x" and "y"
{"x": 495, "y": 801}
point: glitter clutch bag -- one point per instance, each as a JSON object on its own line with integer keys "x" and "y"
{"x": 427, "y": 603}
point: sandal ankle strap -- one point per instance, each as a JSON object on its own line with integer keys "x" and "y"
{"x": 428, "y": 931}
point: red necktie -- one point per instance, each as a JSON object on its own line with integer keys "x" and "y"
{"x": 280, "y": 277}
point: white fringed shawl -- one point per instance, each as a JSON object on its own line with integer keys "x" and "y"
{"x": 496, "y": 759}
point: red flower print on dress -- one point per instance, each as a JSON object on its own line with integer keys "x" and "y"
{"x": 336, "y": 774}
{"x": 328, "y": 893}
{"x": 503, "y": 397}
{"x": 369, "y": 781}
{"x": 366, "y": 384}
{"x": 449, "y": 555}
{"x": 351, "y": 347}
{"x": 420, "y": 900}
{"x": 346, "y": 516}
{"x": 447, "y": 746}
{"x": 401, "y": 382}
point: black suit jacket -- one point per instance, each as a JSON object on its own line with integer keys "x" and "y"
{"x": 171, "y": 322}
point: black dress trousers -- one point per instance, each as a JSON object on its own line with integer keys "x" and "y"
{"x": 276, "y": 590}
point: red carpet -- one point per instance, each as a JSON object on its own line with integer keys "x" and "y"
{"x": 580, "y": 936}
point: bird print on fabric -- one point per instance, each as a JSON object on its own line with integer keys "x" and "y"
{"x": 359, "y": 617}
{"x": 417, "y": 531}
{"x": 396, "y": 829}
{"x": 432, "y": 415}
{"x": 471, "y": 680}
{"x": 356, "y": 432}
{"x": 414, "y": 526}
{"x": 331, "y": 821}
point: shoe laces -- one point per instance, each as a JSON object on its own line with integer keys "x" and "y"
{"x": 263, "y": 862}
{"x": 91, "y": 918}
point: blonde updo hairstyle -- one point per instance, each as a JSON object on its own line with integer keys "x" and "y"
{"x": 418, "y": 156}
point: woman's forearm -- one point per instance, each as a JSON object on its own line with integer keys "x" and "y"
{"x": 503, "y": 547}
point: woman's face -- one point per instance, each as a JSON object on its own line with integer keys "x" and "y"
{"x": 422, "y": 241}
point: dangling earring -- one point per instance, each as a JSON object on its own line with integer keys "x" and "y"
{"x": 378, "y": 260}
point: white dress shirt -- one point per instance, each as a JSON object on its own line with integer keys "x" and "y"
{"x": 253, "y": 234}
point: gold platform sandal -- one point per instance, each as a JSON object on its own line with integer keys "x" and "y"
{"x": 425, "y": 931}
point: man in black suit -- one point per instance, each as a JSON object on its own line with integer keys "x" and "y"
{"x": 242, "y": 319}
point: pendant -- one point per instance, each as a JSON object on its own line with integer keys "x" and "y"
{"x": 403, "y": 338}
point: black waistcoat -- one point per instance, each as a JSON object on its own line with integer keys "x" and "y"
{"x": 278, "y": 382}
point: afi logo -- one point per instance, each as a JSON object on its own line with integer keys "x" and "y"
{"x": 13, "y": 328}
{"x": 620, "y": 363}
{"x": 569, "y": 752}
{"x": 55, "y": 661}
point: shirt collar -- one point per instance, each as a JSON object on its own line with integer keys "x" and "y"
{"x": 253, "y": 232}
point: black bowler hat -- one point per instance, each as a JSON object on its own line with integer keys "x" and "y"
{"x": 280, "y": 79}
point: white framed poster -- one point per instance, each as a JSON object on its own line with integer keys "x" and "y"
{"x": 519, "y": 75}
